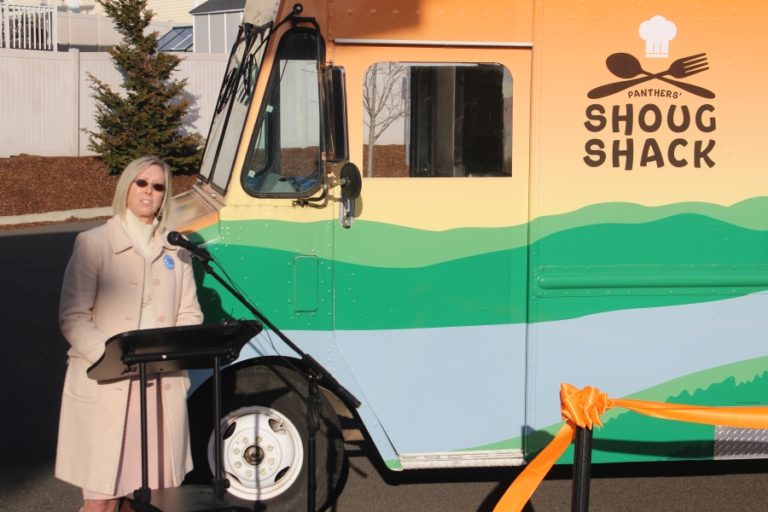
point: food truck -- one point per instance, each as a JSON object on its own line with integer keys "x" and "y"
{"x": 455, "y": 206}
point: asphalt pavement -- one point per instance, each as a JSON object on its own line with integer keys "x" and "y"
{"x": 32, "y": 356}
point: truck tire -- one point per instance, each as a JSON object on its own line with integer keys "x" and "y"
{"x": 264, "y": 439}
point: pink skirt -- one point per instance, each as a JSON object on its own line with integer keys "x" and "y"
{"x": 158, "y": 445}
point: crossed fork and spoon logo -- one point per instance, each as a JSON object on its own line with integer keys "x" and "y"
{"x": 628, "y": 67}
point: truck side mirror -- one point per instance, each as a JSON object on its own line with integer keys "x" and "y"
{"x": 351, "y": 181}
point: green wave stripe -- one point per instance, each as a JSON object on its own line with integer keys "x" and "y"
{"x": 750, "y": 214}
{"x": 389, "y": 277}
{"x": 373, "y": 243}
{"x": 448, "y": 294}
{"x": 682, "y": 259}
{"x": 481, "y": 290}
{"x": 385, "y": 245}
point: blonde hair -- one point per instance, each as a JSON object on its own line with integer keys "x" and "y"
{"x": 127, "y": 177}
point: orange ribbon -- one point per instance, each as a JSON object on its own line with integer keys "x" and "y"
{"x": 584, "y": 407}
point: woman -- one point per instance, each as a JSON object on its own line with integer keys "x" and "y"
{"x": 124, "y": 276}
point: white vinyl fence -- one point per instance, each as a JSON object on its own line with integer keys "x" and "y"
{"x": 46, "y": 100}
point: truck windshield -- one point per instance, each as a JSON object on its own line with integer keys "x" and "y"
{"x": 232, "y": 104}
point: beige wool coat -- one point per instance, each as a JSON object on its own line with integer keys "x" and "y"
{"x": 102, "y": 296}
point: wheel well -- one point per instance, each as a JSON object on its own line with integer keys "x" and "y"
{"x": 342, "y": 409}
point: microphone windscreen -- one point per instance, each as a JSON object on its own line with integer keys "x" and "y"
{"x": 174, "y": 237}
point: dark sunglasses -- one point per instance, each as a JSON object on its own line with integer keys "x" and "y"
{"x": 159, "y": 187}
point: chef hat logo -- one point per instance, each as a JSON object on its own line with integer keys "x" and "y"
{"x": 657, "y": 33}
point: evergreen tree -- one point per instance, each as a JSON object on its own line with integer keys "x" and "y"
{"x": 147, "y": 117}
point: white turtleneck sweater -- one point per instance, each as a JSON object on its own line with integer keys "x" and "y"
{"x": 142, "y": 236}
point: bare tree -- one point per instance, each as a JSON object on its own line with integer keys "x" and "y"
{"x": 382, "y": 101}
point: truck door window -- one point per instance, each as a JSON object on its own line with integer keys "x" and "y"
{"x": 284, "y": 155}
{"x": 437, "y": 120}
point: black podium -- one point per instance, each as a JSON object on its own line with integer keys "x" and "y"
{"x": 156, "y": 351}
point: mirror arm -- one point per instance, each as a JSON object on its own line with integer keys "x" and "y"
{"x": 320, "y": 201}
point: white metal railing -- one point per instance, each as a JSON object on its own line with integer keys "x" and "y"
{"x": 28, "y": 27}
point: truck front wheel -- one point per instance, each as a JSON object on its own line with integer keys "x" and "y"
{"x": 264, "y": 439}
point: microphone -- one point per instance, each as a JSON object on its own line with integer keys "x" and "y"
{"x": 177, "y": 239}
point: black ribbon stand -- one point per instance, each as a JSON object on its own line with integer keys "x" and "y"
{"x": 582, "y": 470}
{"x": 171, "y": 349}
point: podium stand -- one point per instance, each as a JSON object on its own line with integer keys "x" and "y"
{"x": 171, "y": 349}
{"x": 314, "y": 372}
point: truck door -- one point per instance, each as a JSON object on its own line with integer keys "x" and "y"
{"x": 431, "y": 278}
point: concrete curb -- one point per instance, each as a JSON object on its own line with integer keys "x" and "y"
{"x": 79, "y": 214}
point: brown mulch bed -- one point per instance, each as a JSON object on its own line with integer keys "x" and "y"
{"x": 37, "y": 184}
{"x": 388, "y": 161}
